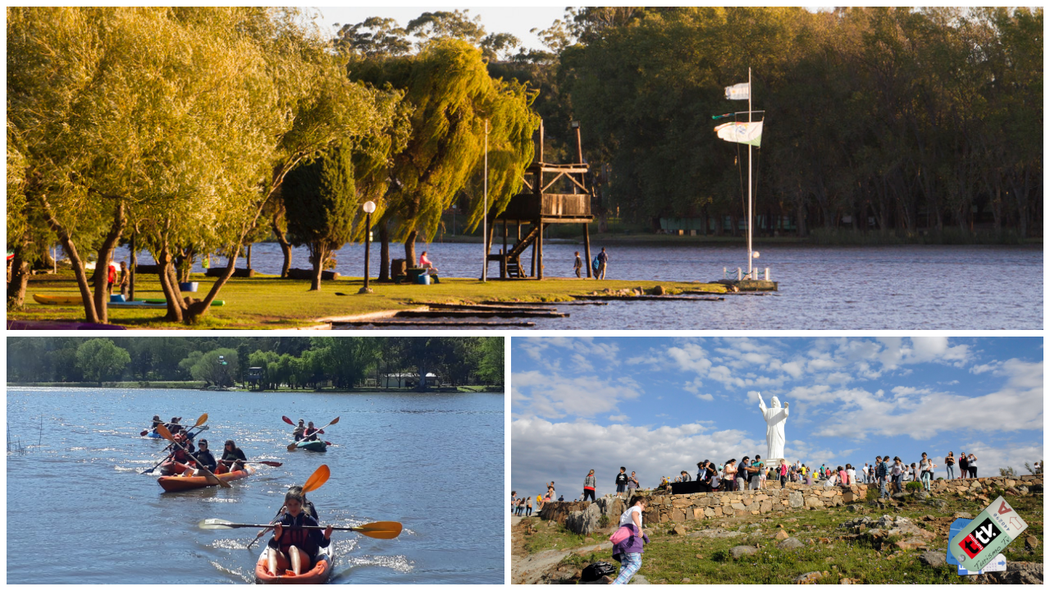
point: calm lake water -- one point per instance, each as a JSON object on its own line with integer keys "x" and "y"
{"x": 78, "y": 501}
{"x": 846, "y": 288}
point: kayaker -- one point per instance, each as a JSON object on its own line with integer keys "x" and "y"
{"x": 292, "y": 546}
{"x": 174, "y": 426}
{"x": 311, "y": 432}
{"x": 204, "y": 458}
{"x": 231, "y": 454}
{"x": 156, "y": 421}
{"x": 308, "y": 507}
{"x": 181, "y": 460}
{"x": 299, "y": 430}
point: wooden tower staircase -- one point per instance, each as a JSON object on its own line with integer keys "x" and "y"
{"x": 553, "y": 194}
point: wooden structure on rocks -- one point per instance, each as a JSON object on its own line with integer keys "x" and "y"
{"x": 553, "y": 194}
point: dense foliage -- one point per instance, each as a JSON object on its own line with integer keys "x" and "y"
{"x": 319, "y": 362}
{"x": 889, "y": 119}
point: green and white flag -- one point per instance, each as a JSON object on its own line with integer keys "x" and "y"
{"x": 986, "y": 536}
{"x": 738, "y": 92}
{"x": 742, "y": 133}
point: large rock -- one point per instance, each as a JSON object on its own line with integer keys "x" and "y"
{"x": 584, "y": 522}
{"x": 1017, "y": 573}
{"x": 739, "y": 551}
{"x": 795, "y": 499}
{"x": 933, "y": 559}
{"x": 790, "y": 544}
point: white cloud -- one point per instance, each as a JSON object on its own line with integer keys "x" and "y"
{"x": 554, "y": 396}
{"x": 921, "y": 413}
{"x": 539, "y": 452}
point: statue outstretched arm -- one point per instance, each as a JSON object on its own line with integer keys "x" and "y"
{"x": 761, "y": 404}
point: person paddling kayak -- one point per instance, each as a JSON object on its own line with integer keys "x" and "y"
{"x": 232, "y": 458}
{"x": 204, "y": 458}
{"x": 311, "y": 432}
{"x": 181, "y": 460}
{"x": 292, "y": 546}
{"x": 156, "y": 421}
{"x": 299, "y": 430}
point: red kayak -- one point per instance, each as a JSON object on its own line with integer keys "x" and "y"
{"x": 178, "y": 483}
{"x": 318, "y": 574}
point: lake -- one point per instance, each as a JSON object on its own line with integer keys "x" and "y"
{"x": 77, "y": 499}
{"x": 844, "y": 288}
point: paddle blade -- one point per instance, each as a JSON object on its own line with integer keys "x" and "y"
{"x": 143, "y": 434}
{"x": 291, "y": 447}
{"x": 269, "y": 463}
{"x": 163, "y": 430}
{"x": 318, "y": 478}
{"x": 287, "y": 420}
{"x": 215, "y": 523}
{"x": 383, "y": 530}
{"x": 201, "y": 420}
{"x": 334, "y": 421}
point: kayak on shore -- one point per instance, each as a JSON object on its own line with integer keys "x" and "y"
{"x": 180, "y": 483}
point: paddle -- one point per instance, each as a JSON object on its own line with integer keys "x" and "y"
{"x": 291, "y": 446}
{"x": 200, "y": 421}
{"x": 314, "y": 482}
{"x": 267, "y": 462}
{"x": 383, "y": 530}
{"x": 144, "y": 433}
{"x": 211, "y": 478}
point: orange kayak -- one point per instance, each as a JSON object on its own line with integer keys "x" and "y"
{"x": 179, "y": 483}
{"x": 318, "y": 574}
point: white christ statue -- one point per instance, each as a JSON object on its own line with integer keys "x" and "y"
{"x": 775, "y": 418}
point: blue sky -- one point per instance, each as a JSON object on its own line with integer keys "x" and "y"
{"x": 660, "y": 405}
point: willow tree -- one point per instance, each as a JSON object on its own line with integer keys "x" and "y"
{"x": 451, "y": 95}
{"x": 79, "y": 91}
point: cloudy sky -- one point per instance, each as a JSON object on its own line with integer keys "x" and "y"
{"x": 660, "y": 405}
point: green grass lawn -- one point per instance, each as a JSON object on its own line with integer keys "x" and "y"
{"x": 263, "y": 301}
{"x": 675, "y": 559}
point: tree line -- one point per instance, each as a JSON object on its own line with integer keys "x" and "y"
{"x": 297, "y": 363}
{"x": 881, "y": 119}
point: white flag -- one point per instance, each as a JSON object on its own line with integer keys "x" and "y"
{"x": 743, "y": 133}
{"x": 738, "y": 92}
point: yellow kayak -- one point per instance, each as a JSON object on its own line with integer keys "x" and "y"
{"x": 57, "y": 300}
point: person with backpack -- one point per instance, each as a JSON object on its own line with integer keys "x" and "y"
{"x": 629, "y": 550}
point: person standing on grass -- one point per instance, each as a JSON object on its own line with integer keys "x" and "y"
{"x": 603, "y": 263}
{"x": 629, "y": 551}
{"x": 528, "y": 506}
{"x": 964, "y": 465}
{"x": 971, "y": 465}
{"x": 743, "y": 473}
{"x": 949, "y": 465}
{"x": 783, "y": 472}
{"x": 729, "y": 474}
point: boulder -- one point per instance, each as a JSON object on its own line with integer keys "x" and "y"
{"x": 781, "y": 535}
{"x": 809, "y": 578}
{"x": 795, "y": 499}
{"x": 584, "y": 522}
{"x": 933, "y": 559}
{"x": 738, "y": 552}
{"x": 790, "y": 544}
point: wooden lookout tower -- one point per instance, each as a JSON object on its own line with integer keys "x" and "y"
{"x": 553, "y": 194}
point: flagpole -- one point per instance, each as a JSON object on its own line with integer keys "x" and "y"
{"x": 750, "y": 184}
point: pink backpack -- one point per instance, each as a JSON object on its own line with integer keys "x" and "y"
{"x": 620, "y": 535}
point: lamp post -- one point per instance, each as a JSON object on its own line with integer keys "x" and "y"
{"x": 485, "y": 219}
{"x": 369, "y": 207}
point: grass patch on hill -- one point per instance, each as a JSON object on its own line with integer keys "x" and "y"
{"x": 705, "y": 559}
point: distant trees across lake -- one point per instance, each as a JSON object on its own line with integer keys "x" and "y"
{"x": 261, "y": 363}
